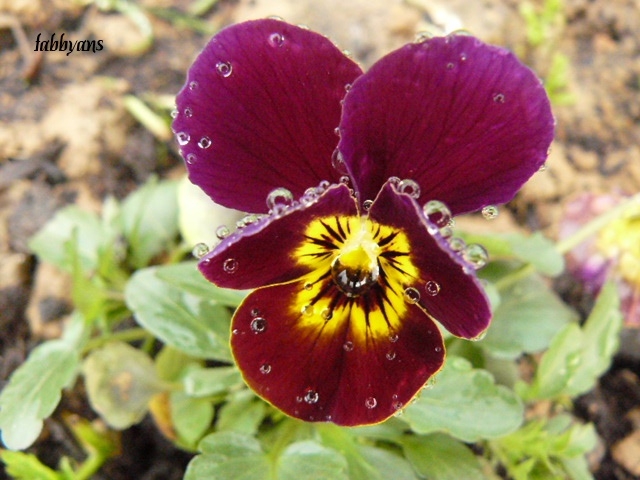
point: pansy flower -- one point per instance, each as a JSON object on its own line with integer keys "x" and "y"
{"x": 346, "y": 176}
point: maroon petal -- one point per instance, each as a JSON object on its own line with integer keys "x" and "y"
{"x": 263, "y": 253}
{"x": 467, "y": 121}
{"x": 445, "y": 286}
{"x": 258, "y": 111}
{"x": 350, "y": 369}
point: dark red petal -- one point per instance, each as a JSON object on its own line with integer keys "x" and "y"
{"x": 465, "y": 120}
{"x": 336, "y": 370}
{"x": 258, "y": 111}
{"x": 446, "y": 286}
{"x": 263, "y": 253}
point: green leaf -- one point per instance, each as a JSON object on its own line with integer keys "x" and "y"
{"x": 313, "y": 460}
{"x": 120, "y": 381}
{"x": 186, "y": 276}
{"x": 465, "y": 403}
{"x": 49, "y": 242}
{"x": 26, "y": 466}
{"x": 203, "y": 382}
{"x": 528, "y": 317}
{"x": 191, "y": 417}
{"x": 440, "y": 457}
{"x": 34, "y": 391}
{"x": 188, "y": 323}
{"x": 149, "y": 220}
{"x": 578, "y": 356}
{"x": 387, "y": 465}
{"x": 229, "y": 456}
{"x": 243, "y": 412}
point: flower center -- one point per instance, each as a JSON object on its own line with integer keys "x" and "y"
{"x": 356, "y": 268}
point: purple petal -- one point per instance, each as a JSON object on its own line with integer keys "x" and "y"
{"x": 263, "y": 253}
{"x": 446, "y": 287}
{"x": 258, "y": 111}
{"x": 465, "y": 120}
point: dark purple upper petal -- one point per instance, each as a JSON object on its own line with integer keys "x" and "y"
{"x": 258, "y": 111}
{"x": 264, "y": 253}
{"x": 465, "y": 120}
{"x": 446, "y": 287}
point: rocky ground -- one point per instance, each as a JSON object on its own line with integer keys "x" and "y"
{"x": 67, "y": 135}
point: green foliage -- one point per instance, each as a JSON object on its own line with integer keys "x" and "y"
{"x": 465, "y": 403}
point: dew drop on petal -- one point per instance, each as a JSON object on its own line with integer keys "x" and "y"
{"x": 479, "y": 337}
{"x": 370, "y": 403}
{"x": 410, "y": 187}
{"x": 347, "y": 87}
{"x": 393, "y": 338}
{"x": 308, "y": 286}
{"x": 438, "y": 349}
{"x": 390, "y": 355}
{"x": 311, "y": 397}
{"x": 422, "y": 37}
{"x": 450, "y": 66}
{"x": 543, "y": 168}
{"x": 490, "y": 212}
{"x": 348, "y": 346}
{"x": 204, "y": 142}
{"x": 457, "y": 244}
{"x": 222, "y": 232}
{"x": 191, "y": 158}
{"x": 307, "y": 310}
{"x": 200, "y": 250}
{"x": 230, "y": 265}
{"x": 395, "y": 181}
{"x": 279, "y": 197}
{"x": 174, "y": 113}
{"x": 344, "y": 179}
{"x": 276, "y": 39}
{"x": 255, "y": 312}
{"x": 183, "y": 138}
{"x": 188, "y": 112}
{"x": 258, "y": 325}
{"x": 432, "y": 288}
{"x": 437, "y": 213}
{"x": 446, "y": 232}
{"x": 337, "y": 131}
{"x": 367, "y": 204}
{"x": 463, "y": 57}
{"x": 476, "y": 255}
{"x": 326, "y": 314}
{"x": 193, "y": 85}
{"x": 337, "y": 161}
{"x": 411, "y": 295}
{"x": 224, "y": 69}
{"x": 499, "y": 98}
{"x": 265, "y": 369}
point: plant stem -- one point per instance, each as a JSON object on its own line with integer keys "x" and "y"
{"x": 129, "y": 335}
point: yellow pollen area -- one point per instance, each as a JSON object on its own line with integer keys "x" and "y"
{"x": 621, "y": 241}
{"x": 359, "y": 270}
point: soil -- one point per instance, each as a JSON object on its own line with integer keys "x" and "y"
{"x": 66, "y": 136}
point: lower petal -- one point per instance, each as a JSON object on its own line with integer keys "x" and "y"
{"x": 357, "y": 367}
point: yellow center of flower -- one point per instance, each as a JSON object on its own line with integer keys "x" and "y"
{"x": 621, "y": 241}
{"x": 359, "y": 270}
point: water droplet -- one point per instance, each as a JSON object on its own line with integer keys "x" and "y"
{"x": 326, "y": 314}
{"x": 200, "y": 250}
{"x": 278, "y": 198}
{"x": 224, "y": 69}
{"x": 255, "y": 312}
{"x": 307, "y": 310}
{"x": 411, "y": 295}
{"x": 476, "y": 255}
{"x": 347, "y": 53}
{"x": 258, "y": 325}
{"x": 409, "y": 187}
{"x": 183, "y": 138}
{"x": 222, "y": 232}
{"x": 191, "y": 158}
{"x": 345, "y": 180}
{"x": 311, "y": 397}
{"x": 370, "y": 403}
{"x": 393, "y": 338}
{"x": 188, "y": 112}
{"x": 450, "y": 66}
{"x": 353, "y": 282}
{"x": 390, "y": 355}
{"x": 479, "y": 337}
{"x": 347, "y": 87}
{"x": 543, "y": 168}
{"x": 432, "y": 288}
{"x": 395, "y": 181}
{"x": 337, "y": 161}
{"x": 348, "y": 346}
{"x": 490, "y": 212}
{"x": 397, "y": 405}
{"x": 438, "y": 349}
{"x": 230, "y": 265}
{"x": 308, "y": 286}
{"x": 337, "y": 131}
{"x": 235, "y": 331}
{"x": 437, "y": 213}
{"x": 174, "y": 113}
{"x": 193, "y": 85}
{"x": 499, "y": 98}
{"x": 367, "y": 204}
{"x": 457, "y": 244}
{"x": 204, "y": 142}
{"x": 463, "y": 57}
{"x": 265, "y": 369}
{"x": 422, "y": 37}
{"x": 276, "y": 39}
